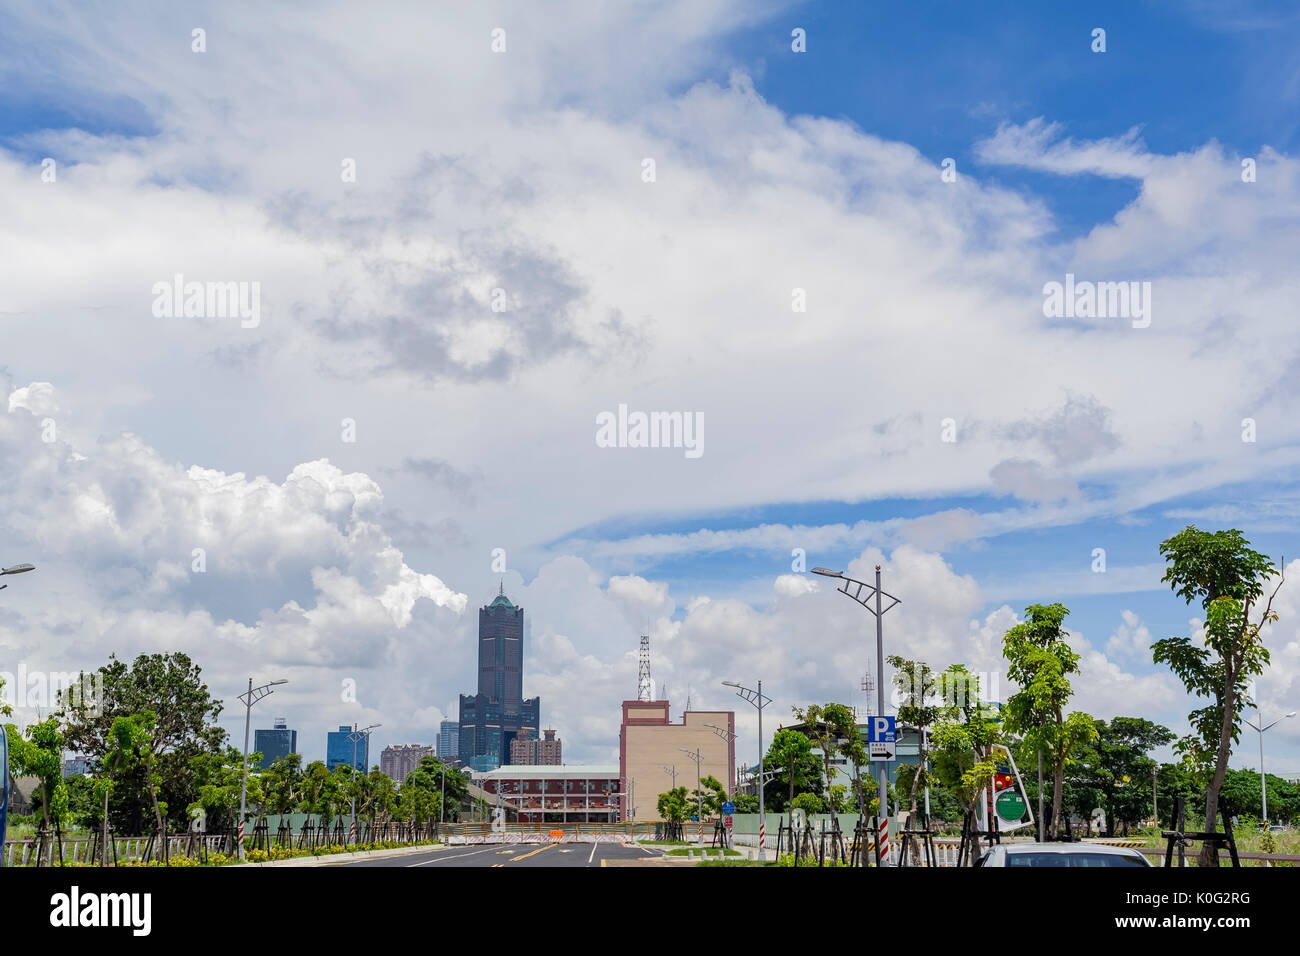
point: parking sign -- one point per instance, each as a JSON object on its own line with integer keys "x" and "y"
{"x": 881, "y": 738}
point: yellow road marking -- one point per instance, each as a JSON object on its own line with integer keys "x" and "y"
{"x": 525, "y": 856}
{"x": 495, "y": 865}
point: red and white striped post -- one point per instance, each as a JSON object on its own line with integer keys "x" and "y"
{"x": 241, "y": 839}
{"x": 762, "y": 836}
{"x": 883, "y": 838}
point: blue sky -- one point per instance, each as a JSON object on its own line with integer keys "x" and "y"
{"x": 333, "y": 559}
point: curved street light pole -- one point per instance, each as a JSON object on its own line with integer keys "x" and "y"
{"x": 4, "y": 742}
{"x": 356, "y": 736}
{"x": 699, "y": 797}
{"x": 867, "y": 595}
{"x": 759, "y": 700}
{"x": 1260, "y": 729}
{"x": 250, "y": 698}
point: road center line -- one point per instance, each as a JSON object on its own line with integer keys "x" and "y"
{"x": 525, "y": 856}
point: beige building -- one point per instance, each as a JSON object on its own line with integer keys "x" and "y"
{"x": 648, "y": 742}
{"x": 399, "y": 761}
{"x": 526, "y": 750}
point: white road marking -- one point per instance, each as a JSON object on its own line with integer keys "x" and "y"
{"x": 593, "y": 853}
{"x": 458, "y": 856}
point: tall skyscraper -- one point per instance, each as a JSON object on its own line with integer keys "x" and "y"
{"x": 501, "y": 652}
{"x": 338, "y": 749}
{"x": 449, "y": 739}
{"x": 276, "y": 743}
{"x": 491, "y": 719}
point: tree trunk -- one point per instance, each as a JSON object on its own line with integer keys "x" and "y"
{"x": 916, "y": 777}
{"x": 103, "y": 861}
{"x": 1209, "y": 855}
{"x": 1058, "y": 787}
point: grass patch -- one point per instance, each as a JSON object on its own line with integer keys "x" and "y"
{"x": 707, "y": 851}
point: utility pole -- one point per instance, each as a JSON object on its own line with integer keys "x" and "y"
{"x": 1260, "y": 729}
{"x": 699, "y": 797}
{"x": 863, "y": 593}
{"x": 252, "y": 697}
{"x": 356, "y": 736}
{"x": 4, "y": 742}
{"x": 757, "y": 698}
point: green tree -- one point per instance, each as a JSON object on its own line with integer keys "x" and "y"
{"x": 917, "y": 708}
{"x": 963, "y": 739}
{"x": 284, "y": 780}
{"x": 170, "y": 686}
{"x": 672, "y": 806}
{"x": 428, "y": 777}
{"x": 1040, "y": 660}
{"x": 711, "y": 796}
{"x": 746, "y": 802}
{"x": 809, "y": 803}
{"x": 792, "y": 761}
{"x": 41, "y": 755}
{"x": 834, "y": 729}
{"x": 1227, "y": 577}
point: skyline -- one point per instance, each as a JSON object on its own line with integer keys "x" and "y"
{"x": 319, "y": 496}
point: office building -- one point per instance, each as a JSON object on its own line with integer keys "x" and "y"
{"x": 339, "y": 750}
{"x": 449, "y": 739}
{"x": 493, "y": 717}
{"x": 276, "y": 743}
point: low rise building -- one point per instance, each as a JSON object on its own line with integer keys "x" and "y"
{"x": 545, "y": 794}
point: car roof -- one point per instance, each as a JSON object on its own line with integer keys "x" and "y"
{"x": 1068, "y": 848}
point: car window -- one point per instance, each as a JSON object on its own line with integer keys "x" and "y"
{"x": 1073, "y": 859}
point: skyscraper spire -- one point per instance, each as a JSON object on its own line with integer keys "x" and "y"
{"x": 501, "y": 589}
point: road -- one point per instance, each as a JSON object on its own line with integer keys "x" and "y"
{"x": 519, "y": 854}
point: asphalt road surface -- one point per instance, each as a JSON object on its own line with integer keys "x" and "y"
{"x": 518, "y": 854}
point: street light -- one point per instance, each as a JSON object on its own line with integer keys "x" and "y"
{"x": 356, "y": 736}
{"x": 16, "y": 569}
{"x": 672, "y": 770}
{"x": 759, "y": 700}
{"x": 4, "y": 743}
{"x": 699, "y": 797}
{"x": 730, "y": 738}
{"x": 1263, "y": 789}
{"x": 252, "y": 697}
{"x": 863, "y": 593}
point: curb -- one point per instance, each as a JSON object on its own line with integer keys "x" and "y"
{"x": 327, "y": 859}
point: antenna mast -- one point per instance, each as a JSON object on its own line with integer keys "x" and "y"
{"x": 645, "y": 686}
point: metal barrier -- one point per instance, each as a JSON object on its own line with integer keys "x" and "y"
{"x": 122, "y": 849}
{"x": 463, "y": 833}
{"x": 79, "y": 850}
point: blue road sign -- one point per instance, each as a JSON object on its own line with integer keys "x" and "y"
{"x": 880, "y": 730}
{"x": 728, "y": 808}
{"x": 881, "y": 738}
{"x": 695, "y": 818}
